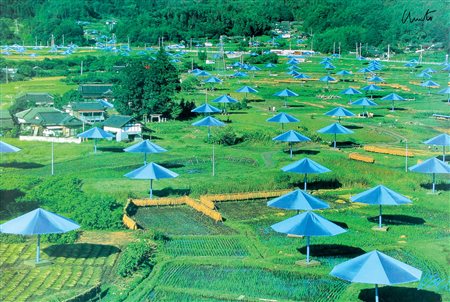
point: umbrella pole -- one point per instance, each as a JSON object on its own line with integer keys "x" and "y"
{"x": 213, "y": 166}
{"x": 95, "y": 145}
{"x": 209, "y": 132}
{"x": 38, "y": 249}
{"x": 376, "y": 293}
{"x": 379, "y": 219}
{"x": 393, "y": 109}
{"x": 290, "y": 145}
{"x": 304, "y": 183}
{"x": 434, "y": 179}
{"x": 145, "y": 158}
{"x": 443, "y": 153}
{"x": 151, "y": 188}
{"x": 335, "y": 141}
{"x": 307, "y": 249}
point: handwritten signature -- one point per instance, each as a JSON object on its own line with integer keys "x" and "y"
{"x": 426, "y": 17}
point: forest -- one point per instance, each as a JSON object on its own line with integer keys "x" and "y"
{"x": 373, "y": 22}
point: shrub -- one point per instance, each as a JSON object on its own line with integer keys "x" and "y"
{"x": 226, "y": 136}
{"x": 65, "y": 238}
{"x": 135, "y": 256}
{"x": 10, "y": 238}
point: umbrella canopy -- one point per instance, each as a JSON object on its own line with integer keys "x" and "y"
{"x": 430, "y": 84}
{"x": 294, "y": 67}
{"x": 225, "y": 99}
{"x": 305, "y": 166}
{"x": 371, "y": 88}
{"x": 213, "y": 80}
{"x": 343, "y": 72}
{"x": 270, "y": 65}
{"x": 151, "y": 171}
{"x": 440, "y": 140}
{"x": 380, "y": 195}
{"x": 254, "y": 68}
{"x": 376, "y": 268}
{"x": 339, "y": 111}
{"x": 298, "y": 200}
{"x": 38, "y": 222}
{"x": 308, "y": 224}
{"x": 350, "y": 91}
{"x": 327, "y": 79}
{"x": 335, "y": 129}
{"x": 364, "y": 102}
{"x": 291, "y": 137}
{"x": 285, "y": 93}
{"x": 424, "y": 75}
{"x": 283, "y": 118}
{"x": 392, "y": 97}
{"x": 95, "y": 133}
{"x": 247, "y": 89}
{"x": 240, "y": 74}
{"x": 376, "y": 79}
{"x": 202, "y": 73}
{"x": 7, "y": 148}
{"x": 432, "y": 166}
{"x": 302, "y": 76}
{"x": 206, "y": 108}
{"x": 146, "y": 146}
{"x": 429, "y": 70}
{"x": 446, "y": 91}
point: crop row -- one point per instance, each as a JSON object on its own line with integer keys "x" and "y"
{"x": 213, "y": 246}
{"x": 397, "y": 152}
{"x": 252, "y": 282}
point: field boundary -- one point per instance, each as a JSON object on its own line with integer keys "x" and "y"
{"x": 205, "y": 204}
{"x": 390, "y": 151}
{"x": 360, "y": 157}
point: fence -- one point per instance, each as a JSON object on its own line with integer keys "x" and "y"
{"x": 51, "y": 139}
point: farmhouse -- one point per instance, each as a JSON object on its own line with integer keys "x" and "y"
{"x": 48, "y": 121}
{"x": 88, "y": 112}
{"x": 96, "y": 91}
{"x": 37, "y": 99}
{"x": 6, "y": 120}
{"x": 125, "y": 127}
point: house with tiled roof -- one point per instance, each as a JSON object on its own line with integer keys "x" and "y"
{"x": 96, "y": 91}
{"x": 51, "y": 120}
{"x": 125, "y": 127}
{"x": 37, "y": 99}
{"x": 88, "y": 112}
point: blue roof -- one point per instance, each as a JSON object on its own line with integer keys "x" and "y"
{"x": 380, "y": 195}
{"x": 376, "y": 268}
{"x": 297, "y": 200}
{"x": 308, "y": 224}
{"x": 305, "y": 165}
{"x": 38, "y": 222}
{"x": 151, "y": 171}
{"x": 291, "y": 136}
{"x": 335, "y": 128}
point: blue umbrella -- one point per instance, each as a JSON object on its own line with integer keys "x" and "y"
{"x": 285, "y": 93}
{"x": 210, "y": 122}
{"x": 380, "y": 195}
{"x": 305, "y": 166}
{"x": 446, "y": 68}
{"x": 298, "y": 200}
{"x": 294, "y": 67}
{"x": 440, "y": 140}
{"x": 339, "y": 111}
{"x": 446, "y": 91}
{"x": 371, "y": 88}
{"x": 376, "y": 268}
{"x": 213, "y": 80}
{"x": 335, "y": 129}
{"x": 308, "y": 224}
{"x": 270, "y": 65}
{"x": 95, "y": 133}
{"x": 429, "y": 70}
{"x": 392, "y": 97}
{"x": 432, "y": 166}
{"x": 247, "y": 89}
{"x": 38, "y": 222}
{"x": 254, "y": 68}
{"x": 350, "y": 91}
{"x": 225, "y": 99}
{"x": 291, "y": 137}
{"x": 376, "y": 79}
{"x": 292, "y": 61}
{"x": 206, "y": 108}
{"x": 239, "y": 74}
{"x": 430, "y": 84}
{"x": 283, "y": 118}
{"x": 202, "y": 73}
{"x": 343, "y": 72}
{"x": 327, "y": 79}
{"x": 302, "y": 76}
{"x": 146, "y": 146}
{"x": 424, "y": 75}
{"x": 151, "y": 171}
{"x": 364, "y": 102}
{"x": 7, "y": 148}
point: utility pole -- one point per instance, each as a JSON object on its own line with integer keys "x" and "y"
{"x": 6, "y": 72}
{"x": 334, "y": 47}
{"x": 389, "y": 52}
{"x": 81, "y": 69}
{"x": 339, "y": 49}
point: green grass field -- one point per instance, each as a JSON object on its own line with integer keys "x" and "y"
{"x": 242, "y": 258}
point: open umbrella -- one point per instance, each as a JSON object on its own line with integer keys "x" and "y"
{"x": 95, "y": 133}
{"x": 151, "y": 171}
{"x": 440, "y": 140}
{"x": 283, "y": 118}
{"x": 339, "y": 111}
{"x": 371, "y": 88}
{"x": 202, "y": 73}
{"x": 298, "y": 200}
{"x": 7, "y": 148}
{"x": 376, "y": 79}
{"x": 447, "y": 92}
{"x": 225, "y": 99}
{"x": 376, "y": 268}
{"x": 247, "y": 89}
{"x": 270, "y": 65}
{"x": 343, "y": 73}
{"x": 38, "y": 222}
{"x": 294, "y": 67}
{"x": 285, "y": 93}
{"x": 206, "y": 108}
{"x": 429, "y": 70}
{"x": 146, "y": 146}
{"x": 335, "y": 129}
{"x": 327, "y": 79}
{"x": 424, "y": 75}
{"x": 430, "y": 84}
{"x": 364, "y": 102}
{"x": 291, "y": 137}
{"x": 350, "y": 91}
{"x": 302, "y": 76}
{"x": 432, "y": 166}
{"x": 392, "y": 97}
{"x": 240, "y": 74}
{"x": 305, "y": 166}
{"x": 380, "y": 195}
{"x": 210, "y": 122}
{"x": 308, "y": 224}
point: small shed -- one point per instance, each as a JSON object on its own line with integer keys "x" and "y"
{"x": 125, "y": 127}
